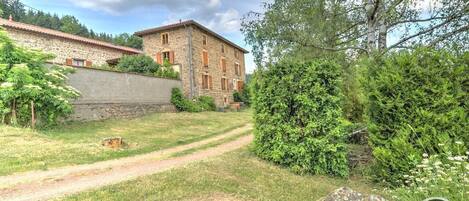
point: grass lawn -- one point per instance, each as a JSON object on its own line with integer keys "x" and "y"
{"x": 233, "y": 176}
{"x": 79, "y": 143}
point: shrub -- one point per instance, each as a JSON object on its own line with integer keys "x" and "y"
{"x": 167, "y": 71}
{"x": 27, "y": 84}
{"x": 207, "y": 103}
{"x": 417, "y": 100}
{"x": 437, "y": 176}
{"x": 182, "y": 104}
{"x": 243, "y": 96}
{"x": 138, "y": 64}
{"x": 298, "y": 117}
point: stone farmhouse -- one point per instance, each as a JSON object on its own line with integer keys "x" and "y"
{"x": 209, "y": 64}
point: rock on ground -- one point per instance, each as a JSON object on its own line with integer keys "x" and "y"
{"x": 347, "y": 194}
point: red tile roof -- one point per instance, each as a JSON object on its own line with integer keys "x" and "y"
{"x": 187, "y": 23}
{"x": 50, "y": 32}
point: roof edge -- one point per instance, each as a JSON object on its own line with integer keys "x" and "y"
{"x": 55, "y": 33}
{"x": 185, "y": 23}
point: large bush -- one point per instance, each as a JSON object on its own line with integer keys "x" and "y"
{"x": 417, "y": 100}
{"x": 298, "y": 117}
{"x": 138, "y": 64}
{"x": 30, "y": 91}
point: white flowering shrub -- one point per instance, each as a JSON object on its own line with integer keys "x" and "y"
{"x": 443, "y": 175}
{"x": 30, "y": 91}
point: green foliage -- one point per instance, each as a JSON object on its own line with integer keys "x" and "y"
{"x": 298, "y": 117}
{"x": 167, "y": 71}
{"x": 354, "y": 102}
{"x": 207, "y": 103}
{"x": 182, "y": 104}
{"x": 437, "y": 176}
{"x": 138, "y": 64}
{"x": 416, "y": 100}
{"x": 244, "y": 96}
{"x": 26, "y": 81}
{"x": 66, "y": 23}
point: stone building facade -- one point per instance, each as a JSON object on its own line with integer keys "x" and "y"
{"x": 69, "y": 49}
{"x": 211, "y": 65}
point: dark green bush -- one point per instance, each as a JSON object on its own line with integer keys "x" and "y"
{"x": 138, "y": 64}
{"x": 207, "y": 103}
{"x": 243, "y": 96}
{"x": 298, "y": 117}
{"x": 417, "y": 100}
{"x": 182, "y": 104}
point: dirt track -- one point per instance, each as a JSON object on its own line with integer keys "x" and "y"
{"x": 43, "y": 185}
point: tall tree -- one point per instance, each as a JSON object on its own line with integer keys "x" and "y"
{"x": 356, "y": 26}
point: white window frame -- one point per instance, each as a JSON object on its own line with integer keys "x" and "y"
{"x": 79, "y": 62}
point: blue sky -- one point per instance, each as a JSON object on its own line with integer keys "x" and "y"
{"x": 118, "y": 16}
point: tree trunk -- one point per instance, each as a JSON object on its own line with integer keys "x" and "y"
{"x": 371, "y": 29}
{"x": 383, "y": 29}
{"x": 33, "y": 116}
{"x": 13, "y": 113}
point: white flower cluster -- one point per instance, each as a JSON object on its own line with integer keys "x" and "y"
{"x": 442, "y": 175}
{"x": 32, "y": 86}
{"x": 57, "y": 75}
{"x": 6, "y": 85}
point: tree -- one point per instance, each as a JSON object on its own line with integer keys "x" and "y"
{"x": 70, "y": 25}
{"x": 354, "y": 26}
{"x": 30, "y": 91}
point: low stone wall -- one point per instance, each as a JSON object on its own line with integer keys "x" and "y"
{"x": 107, "y": 94}
{"x": 93, "y": 112}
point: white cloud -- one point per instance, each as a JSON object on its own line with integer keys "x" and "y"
{"x": 208, "y": 12}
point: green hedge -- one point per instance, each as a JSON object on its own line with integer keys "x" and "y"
{"x": 138, "y": 64}
{"x": 417, "y": 102}
{"x": 182, "y": 104}
{"x": 297, "y": 117}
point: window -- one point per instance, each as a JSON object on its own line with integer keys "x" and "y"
{"x": 222, "y": 48}
{"x": 224, "y": 84}
{"x": 165, "y": 38}
{"x": 166, "y": 56}
{"x": 223, "y": 65}
{"x": 237, "y": 69}
{"x": 205, "y": 58}
{"x": 236, "y": 54}
{"x": 207, "y": 81}
{"x": 204, "y": 40}
{"x": 78, "y": 62}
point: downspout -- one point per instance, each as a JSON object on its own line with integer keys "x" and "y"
{"x": 189, "y": 57}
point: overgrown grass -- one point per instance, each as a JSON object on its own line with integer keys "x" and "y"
{"x": 79, "y": 143}
{"x": 238, "y": 175}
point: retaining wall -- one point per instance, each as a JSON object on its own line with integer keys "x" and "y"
{"x": 107, "y": 94}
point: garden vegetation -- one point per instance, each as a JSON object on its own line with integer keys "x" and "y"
{"x": 183, "y": 104}
{"x": 146, "y": 65}
{"x": 31, "y": 92}
{"x": 416, "y": 100}
{"x": 298, "y": 117}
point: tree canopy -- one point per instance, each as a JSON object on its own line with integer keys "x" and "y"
{"x": 304, "y": 28}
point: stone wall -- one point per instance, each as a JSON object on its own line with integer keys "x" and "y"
{"x": 64, "y": 48}
{"x": 178, "y": 42}
{"x": 214, "y": 68}
{"x": 106, "y": 94}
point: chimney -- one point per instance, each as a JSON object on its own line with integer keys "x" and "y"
{"x": 10, "y": 18}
